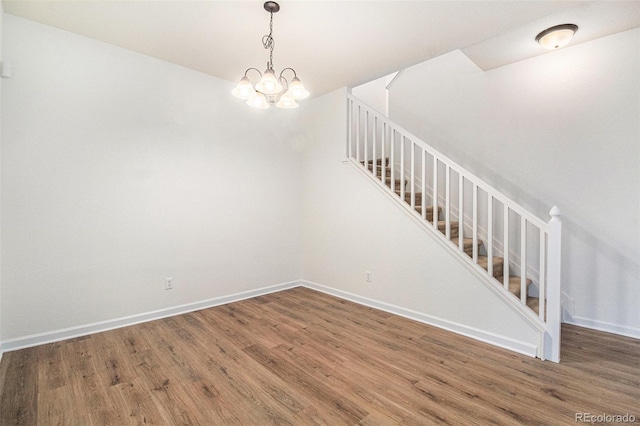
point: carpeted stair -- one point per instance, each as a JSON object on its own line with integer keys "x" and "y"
{"x": 498, "y": 262}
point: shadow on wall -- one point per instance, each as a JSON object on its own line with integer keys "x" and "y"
{"x": 588, "y": 259}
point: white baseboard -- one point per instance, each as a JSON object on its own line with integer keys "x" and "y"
{"x": 524, "y": 348}
{"x": 607, "y": 327}
{"x": 97, "y": 327}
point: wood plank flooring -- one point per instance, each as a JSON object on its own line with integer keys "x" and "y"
{"x": 300, "y": 357}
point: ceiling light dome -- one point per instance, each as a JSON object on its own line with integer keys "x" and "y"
{"x": 556, "y": 37}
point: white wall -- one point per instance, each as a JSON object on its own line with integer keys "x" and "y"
{"x": 351, "y": 227}
{"x": 119, "y": 170}
{"x": 561, "y": 128}
{"x": 1, "y": 59}
{"x": 375, "y": 93}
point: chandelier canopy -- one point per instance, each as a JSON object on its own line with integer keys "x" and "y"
{"x": 270, "y": 90}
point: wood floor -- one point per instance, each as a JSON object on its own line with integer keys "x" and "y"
{"x": 301, "y": 357}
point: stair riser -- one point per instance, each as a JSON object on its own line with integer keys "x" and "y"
{"x": 498, "y": 266}
{"x": 397, "y": 184}
{"x": 387, "y": 171}
{"x": 378, "y": 162}
{"x": 498, "y": 272}
{"x": 429, "y": 208}
{"x": 515, "y": 285}
{"x": 387, "y": 176}
{"x": 454, "y": 230}
{"x": 429, "y": 217}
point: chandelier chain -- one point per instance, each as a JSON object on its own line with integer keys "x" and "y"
{"x": 268, "y": 42}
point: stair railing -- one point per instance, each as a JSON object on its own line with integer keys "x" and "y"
{"x": 512, "y": 247}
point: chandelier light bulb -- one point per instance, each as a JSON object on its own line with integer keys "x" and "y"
{"x": 287, "y": 101}
{"x": 556, "y": 37}
{"x": 244, "y": 89}
{"x": 269, "y": 84}
{"x": 297, "y": 90}
{"x": 258, "y": 100}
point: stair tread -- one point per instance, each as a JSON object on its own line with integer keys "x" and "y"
{"x": 484, "y": 260}
{"x": 498, "y": 265}
{"x": 466, "y": 242}
{"x": 428, "y": 208}
{"x": 514, "y": 284}
{"x": 379, "y": 169}
{"x": 451, "y": 223}
{"x": 533, "y": 303}
{"x": 407, "y": 198}
{"x": 453, "y": 228}
{"x": 377, "y": 161}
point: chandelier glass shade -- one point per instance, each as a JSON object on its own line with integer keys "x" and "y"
{"x": 269, "y": 89}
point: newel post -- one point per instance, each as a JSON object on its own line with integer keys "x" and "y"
{"x": 554, "y": 288}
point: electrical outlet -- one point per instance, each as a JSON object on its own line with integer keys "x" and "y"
{"x": 168, "y": 283}
{"x": 368, "y": 275}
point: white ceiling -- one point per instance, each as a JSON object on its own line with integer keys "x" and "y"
{"x": 330, "y": 44}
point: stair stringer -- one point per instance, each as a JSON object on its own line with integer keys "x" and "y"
{"x": 478, "y": 272}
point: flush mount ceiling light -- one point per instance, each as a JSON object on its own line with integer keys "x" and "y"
{"x": 270, "y": 89}
{"x": 558, "y": 36}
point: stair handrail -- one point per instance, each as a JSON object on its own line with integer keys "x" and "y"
{"x": 550, "y": 253}
{"x": 452, "y": 164}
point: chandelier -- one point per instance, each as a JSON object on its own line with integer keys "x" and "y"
{"x": 270, "y": 90}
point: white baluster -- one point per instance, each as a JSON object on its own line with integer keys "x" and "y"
{"x": 392, "y": 158}
{"x": 554, "y": 285}
{"x": 523, "y": 260}
{"x": 383, "y": 154}
{"x": 413, "y": 177}
{"x": 490, "y": 234}
{"x": 423, "y": 199}
{"x": 435, "y": 192}
{"x": 358, "y": 135}
{"x": 505, "y": 246}
{"x": 402, "y": 188}
{"x": 366, "y": 138}
{"x": 349, "y": 128}
{"x": 460, "y": 211}
{"x": 475, "y": 223}
{"x": 447, "y": 202}
{"x": 373, "y": 154}
{"x": 542, "y": 276}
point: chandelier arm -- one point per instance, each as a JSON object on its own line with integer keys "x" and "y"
{"x": 285, "y": 85}
{"x": 249, "y": 69}
{"x": 289, "y": 68}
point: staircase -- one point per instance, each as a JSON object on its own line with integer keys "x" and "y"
{"x": 467, "y": 243}
{"x": 510, "y": 250}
